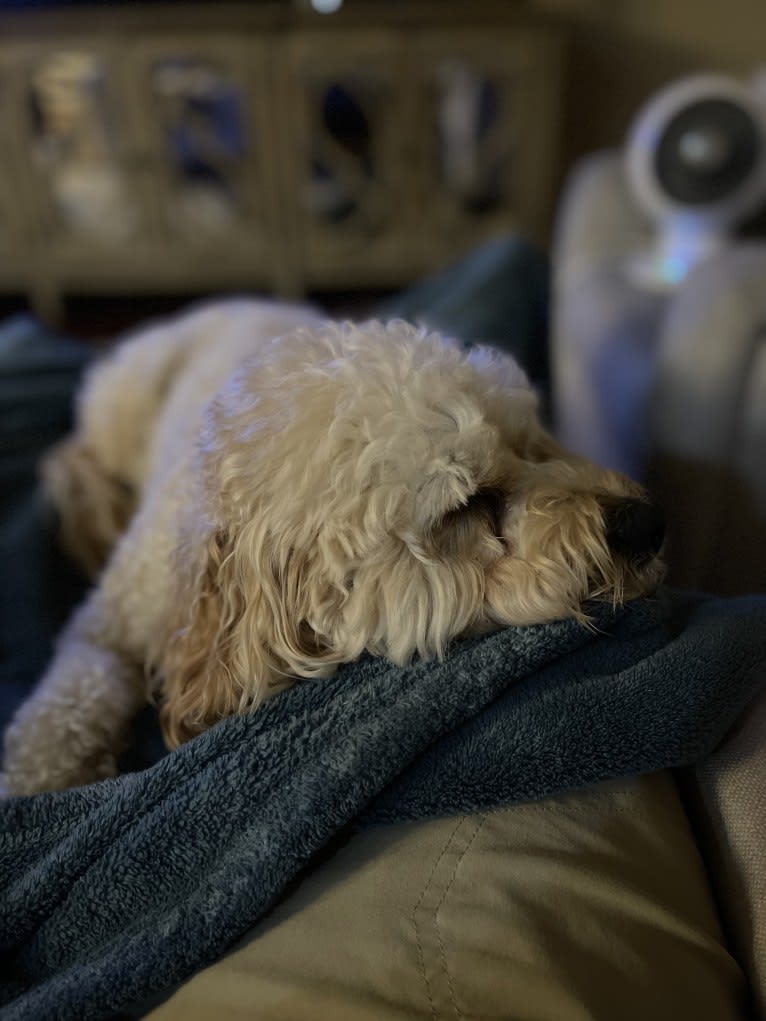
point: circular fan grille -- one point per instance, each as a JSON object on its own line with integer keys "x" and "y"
{"x": 706, "y": 151}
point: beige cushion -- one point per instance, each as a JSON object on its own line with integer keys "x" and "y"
{"x": 594, "y": 905}
{"x": 729, "y": 810}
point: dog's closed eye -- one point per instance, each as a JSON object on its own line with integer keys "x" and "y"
{"x": 489, "y": 503}
{"x": 483, "y": 509}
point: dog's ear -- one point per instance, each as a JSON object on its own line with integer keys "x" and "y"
{"x": 238, "y": 630}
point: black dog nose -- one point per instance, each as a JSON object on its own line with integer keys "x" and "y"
{"x": 634, "y": 528}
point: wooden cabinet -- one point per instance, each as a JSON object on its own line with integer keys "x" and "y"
{"x": 276, "y": 152}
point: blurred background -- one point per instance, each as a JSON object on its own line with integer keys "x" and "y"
{"x": 463, "y": 161}
{"x": 171, "y": 150}
{"x": 168, "y": 150}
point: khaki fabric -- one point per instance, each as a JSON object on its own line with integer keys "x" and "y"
{"x": 730, "y": 813}
{"x": 590, "y": 906}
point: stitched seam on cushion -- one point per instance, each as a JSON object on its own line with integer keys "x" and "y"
{"x": 479, "y": 823}
{"x": 416, "y": 927}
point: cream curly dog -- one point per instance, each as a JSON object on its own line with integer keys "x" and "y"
{"x": 272, "y": 495}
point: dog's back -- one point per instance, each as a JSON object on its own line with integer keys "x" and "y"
{"x": 139, "y": 408}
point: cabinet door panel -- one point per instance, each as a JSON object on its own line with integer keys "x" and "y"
{"x": 347, "y": 147}
{"x": 74, "y": 136}
{"x": 204, "y": 137}
{"x": 489, "y": 113}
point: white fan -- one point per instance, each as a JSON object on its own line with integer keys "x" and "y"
{"x": 696, "y": 165}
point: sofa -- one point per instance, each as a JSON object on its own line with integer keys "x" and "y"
{"x": 668, "y": 386}
{"x": 636, "y": 895}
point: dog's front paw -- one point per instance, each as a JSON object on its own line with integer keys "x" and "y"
{"x": 44, "y": 753}
{"x": 40, "y": 774}
{"x": 34, "y": 774}
{"x": 70, "y": 732}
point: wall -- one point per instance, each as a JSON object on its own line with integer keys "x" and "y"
{"x": 620, "y": 52}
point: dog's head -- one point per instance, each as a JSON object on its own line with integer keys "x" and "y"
{"x": 377, "y": 489}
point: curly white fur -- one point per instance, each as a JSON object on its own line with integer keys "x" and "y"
{"x": 294, "y": 493}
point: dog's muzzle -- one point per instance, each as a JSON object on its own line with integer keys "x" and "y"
{"x": 635, "y": 529}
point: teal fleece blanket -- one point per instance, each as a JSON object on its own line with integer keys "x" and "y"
{"x": 117, "y": 891}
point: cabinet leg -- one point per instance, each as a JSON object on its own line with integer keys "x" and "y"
{"x": 47, "y": 302}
